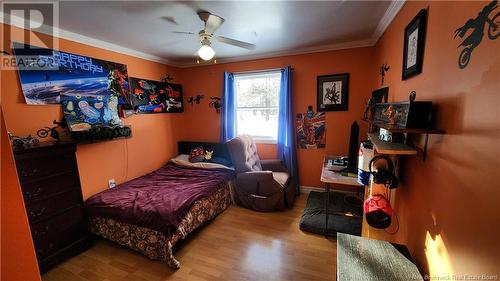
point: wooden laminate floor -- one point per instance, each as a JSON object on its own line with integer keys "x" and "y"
{"x": 239, "y": 244}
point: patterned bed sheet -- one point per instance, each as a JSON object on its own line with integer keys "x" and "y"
{"x": 156, "y": 245}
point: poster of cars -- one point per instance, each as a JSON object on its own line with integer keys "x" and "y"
{"x": 311, "y": 130}
{"x": 149, "y": 96}
{"x": 46, "y": 74}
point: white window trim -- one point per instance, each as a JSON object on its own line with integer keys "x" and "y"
{"x": 252, "y": 75}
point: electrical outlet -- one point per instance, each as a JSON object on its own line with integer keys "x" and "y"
{"x": 111, "y": 183}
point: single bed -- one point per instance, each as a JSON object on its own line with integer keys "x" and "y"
{"x": 150, "y": 214}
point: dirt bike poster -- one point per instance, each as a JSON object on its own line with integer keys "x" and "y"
{"x": 484, "y": 19}
{"x": 46, "y": 74}
{"x": 311, "y": 130}
{"x": 155, "y": 97}
{"x": 414, "y": 41}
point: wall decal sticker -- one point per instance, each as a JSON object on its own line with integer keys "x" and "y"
{"x": 477, "y": 25}
{"x": 383, "y": 69}
{"x": 215, "y": 102}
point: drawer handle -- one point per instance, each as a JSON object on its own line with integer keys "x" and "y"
{"x": 41, "y": 233}
{"x": 33, "y": 194}
{"x": 39, "y": 213}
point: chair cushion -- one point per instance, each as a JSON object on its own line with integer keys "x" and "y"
{"x": 281, "y": 178}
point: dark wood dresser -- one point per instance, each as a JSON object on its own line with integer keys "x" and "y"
{"x": 53, "y": 198}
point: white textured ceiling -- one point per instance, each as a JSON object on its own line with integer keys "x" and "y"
{"x": 276, "y": 27}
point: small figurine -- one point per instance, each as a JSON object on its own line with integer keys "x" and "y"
{"x": 383, "y": 69}
{"x": 370, "y": 106}
{"x": 23, "y": 142}
{"x": 391, "y": 114}
{"x": 208, "y": 154}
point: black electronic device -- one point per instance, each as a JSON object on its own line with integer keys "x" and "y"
{"x": 384, "y": 176}
{"x": 352, "y": 164}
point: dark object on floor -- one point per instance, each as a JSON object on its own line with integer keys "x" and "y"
{"x": 313, "y": 218}
{"x": 50, "y": 184}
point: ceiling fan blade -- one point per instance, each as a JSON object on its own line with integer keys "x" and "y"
{"x": 183, "y": 32}
{"x": 212, "y": 22}
{"x": 236, "y": 43}
{"x": 169, "y": 19}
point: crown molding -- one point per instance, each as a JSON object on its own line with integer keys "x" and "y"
{"x": 79, "y": 38}
{"x": 283, "y": 53}
{"x": 385, "y": 21}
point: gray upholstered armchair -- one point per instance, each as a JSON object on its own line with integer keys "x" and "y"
{"x": 262, "y": 185}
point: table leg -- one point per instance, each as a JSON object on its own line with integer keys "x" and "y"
{"x": 327, "y": 201}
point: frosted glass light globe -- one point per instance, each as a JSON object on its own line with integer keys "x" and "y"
{"x": 206, "y": 52}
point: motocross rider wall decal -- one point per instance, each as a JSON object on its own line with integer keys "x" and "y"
{"x": 475, "y": 37}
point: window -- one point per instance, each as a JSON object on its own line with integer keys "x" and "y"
{"x": 257, "y": 105}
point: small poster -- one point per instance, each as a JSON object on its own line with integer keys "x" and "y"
{"x": 311, "y": 130}
{"x": 155, "y": 97}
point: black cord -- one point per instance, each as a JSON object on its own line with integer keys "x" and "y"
{"x": 395, "y": 214}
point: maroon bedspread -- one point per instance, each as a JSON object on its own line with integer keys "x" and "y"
{"x": 158, "y": 200}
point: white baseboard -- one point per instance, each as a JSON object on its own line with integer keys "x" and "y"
{"x": 306, "y": 189}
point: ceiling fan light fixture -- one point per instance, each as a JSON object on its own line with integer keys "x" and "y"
{"x": 206, "y": 52}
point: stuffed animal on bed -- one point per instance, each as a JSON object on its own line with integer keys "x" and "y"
{"x": 197, "y": 155}
{"x": 208, "y": 154}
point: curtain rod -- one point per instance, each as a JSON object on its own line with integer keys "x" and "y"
{"x": 258, "y": 71}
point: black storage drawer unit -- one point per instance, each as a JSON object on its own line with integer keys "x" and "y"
{"x": 53, "y": 198}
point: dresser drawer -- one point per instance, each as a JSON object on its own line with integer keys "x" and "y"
{"x": 43, "y": 209}
{"x": 50, "y": 186}
{"x": 32, "y": 169}
{"x": 58, "y": 232}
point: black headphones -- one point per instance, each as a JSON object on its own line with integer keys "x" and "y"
{"x": 385, "y": 177}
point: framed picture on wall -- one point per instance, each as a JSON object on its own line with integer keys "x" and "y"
{"x": 332, "y": 92}
{"x": 413, "y": 47}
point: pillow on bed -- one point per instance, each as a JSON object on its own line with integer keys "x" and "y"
{"x": 197, "y": 155}
{"x": 220, "y": 160}
{"x": 183, "y": 157}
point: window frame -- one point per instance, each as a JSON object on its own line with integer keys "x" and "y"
{"x": 253, "y": 75}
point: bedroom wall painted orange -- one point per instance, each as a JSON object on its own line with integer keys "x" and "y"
{"x": 154, "y": 138}
{"x": 201, "y": 122}
{"x": 448, "y": 205}
{"x": 18, "y": 260}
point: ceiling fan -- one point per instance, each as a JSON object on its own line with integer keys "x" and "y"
{"x": 212, "y": 23}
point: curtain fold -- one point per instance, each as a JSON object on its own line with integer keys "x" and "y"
{"x": 228, "y": 116}
{"x": 286, "y": 139}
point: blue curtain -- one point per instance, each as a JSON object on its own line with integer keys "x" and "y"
{"x": 228, "y": 117}
{"x": 286, "y": 139}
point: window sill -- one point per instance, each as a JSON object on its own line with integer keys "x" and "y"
{"x": 266, "y": 141}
